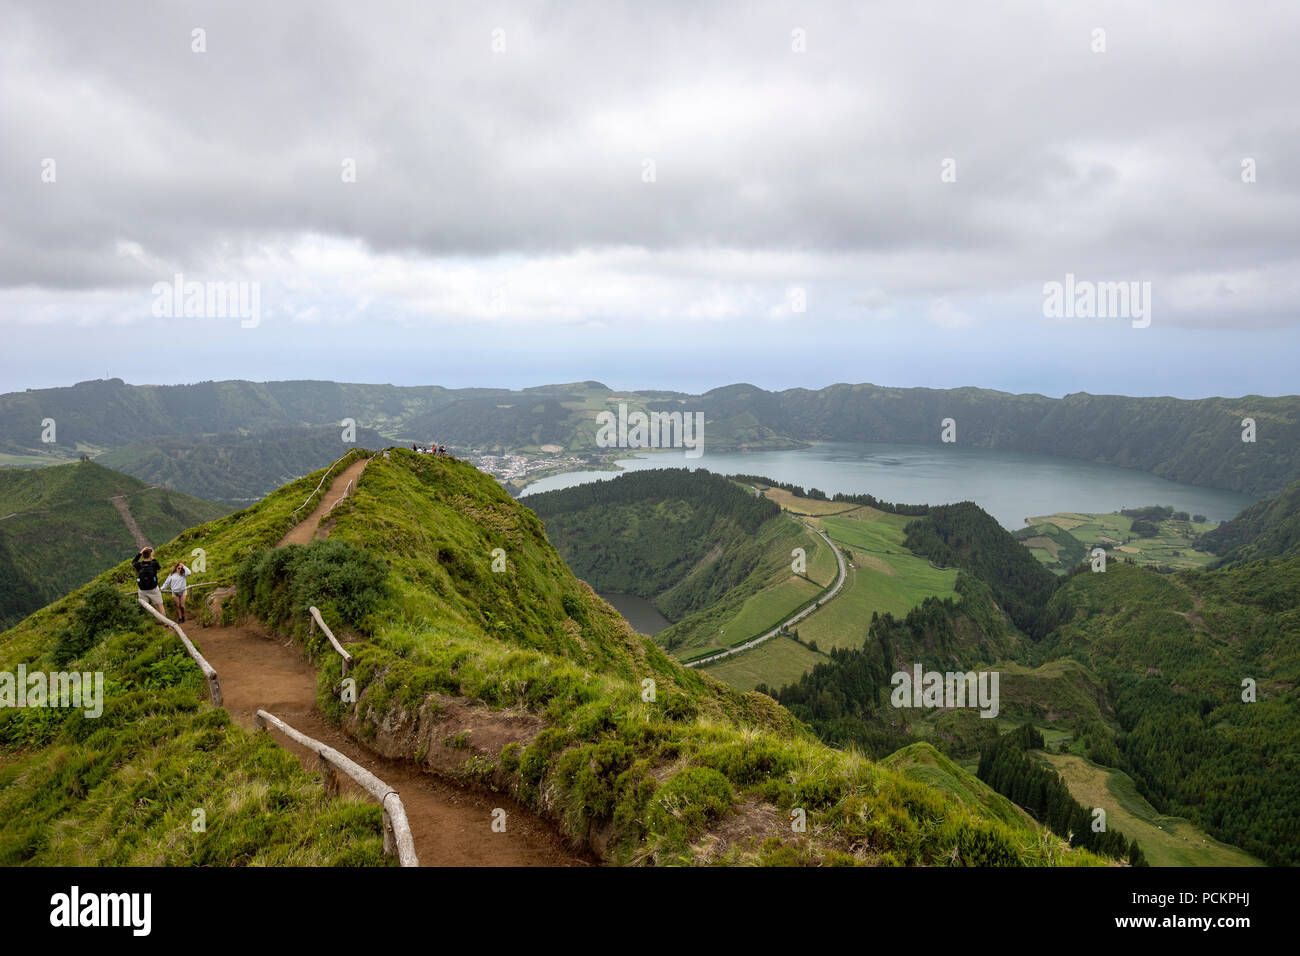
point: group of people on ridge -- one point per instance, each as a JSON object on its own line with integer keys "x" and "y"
{"x": 432, "y": 449}
{"x": 147, "y": 568}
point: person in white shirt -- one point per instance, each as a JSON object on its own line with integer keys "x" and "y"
{"x": 178, "y": 583}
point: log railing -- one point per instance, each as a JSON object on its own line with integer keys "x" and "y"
{"x": 214, "y": 685}
{"x": 318, "y": 621}
{"x": 319, "y": 486}
{"x": 397, "y": 830}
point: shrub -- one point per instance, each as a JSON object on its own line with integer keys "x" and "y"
{"x": 683, "y": 807}
{"x": 103, "y": 611}
{"x": 344, "y": 581}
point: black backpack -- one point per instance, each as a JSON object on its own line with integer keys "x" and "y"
{"x": 147, "y": 575}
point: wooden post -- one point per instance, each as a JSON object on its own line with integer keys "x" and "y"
{"x": 328, "y": 777}
{"x": 397, "y": 828}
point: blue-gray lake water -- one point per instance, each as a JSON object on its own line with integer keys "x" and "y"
{"x": 1011, "y": 486}
{"x": 637, "y": 611}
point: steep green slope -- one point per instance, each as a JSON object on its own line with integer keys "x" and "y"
{"x": 123, "y": 788}
{"x": 59, "y": 528}
{"x": 922, "y": 763}
{"x": 714, "y": 558}
{"x": 639, "y": 776}
{"x": 1267, "y": 529}
{"x": 966, "y": 536}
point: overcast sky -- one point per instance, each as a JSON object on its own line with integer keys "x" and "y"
{"x": 653, "y": 194}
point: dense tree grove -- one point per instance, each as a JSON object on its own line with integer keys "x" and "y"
{"x": 1006, "y": 766}
{"x": 967, "y": 537}
{"x": 644, "y": 532}
{"x": 1153, "y": 513}
{"x": 846, "y": 699}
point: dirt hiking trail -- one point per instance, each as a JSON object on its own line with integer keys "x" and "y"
{"x": 119, "y": 502}
{"x": 309, "y": 529}
{"x": 451, "y": 826}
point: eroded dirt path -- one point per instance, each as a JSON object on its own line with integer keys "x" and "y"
{"x": 451, "y": 826}
{"x": 119, "y": 502}
{"x": 309, "y": 529}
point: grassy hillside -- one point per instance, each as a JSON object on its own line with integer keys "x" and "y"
{"x": 638, "y": 779}
{"x": 59, "y": 528}
{"x": 1165, "y": 840}
{"x": 123, "y": 788}
{"x": 714, "y": 558}
{"x": 922, "y": 763}
{"x": 885, "y": 577}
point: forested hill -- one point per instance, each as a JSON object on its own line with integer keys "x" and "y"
{"x": 1196, "y": 441}
{"x": 1202, "y": 669}
{"x": 682, "y": 538}
{"x": 966, "y": 536}
{"x": 1266, "y": 529}
{"x": 59, "y": 528}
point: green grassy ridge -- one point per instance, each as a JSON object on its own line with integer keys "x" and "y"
{"x": 67, "y": 530}
{"x": 536, "y": 638}
{"x": 225, "y": 540}
{"x": 121, "y": 789}
{"x": 452, "y": 626}
{"x": 923, "y": 763}
{"x": 1165, "y": 840}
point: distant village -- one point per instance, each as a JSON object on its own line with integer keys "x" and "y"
{"x": 515, "y": 470}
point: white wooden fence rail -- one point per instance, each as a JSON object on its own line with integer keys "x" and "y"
{"x": 318, "y": 621}
{"x": 397, "y": 830}
{"x": 214, "y": 685}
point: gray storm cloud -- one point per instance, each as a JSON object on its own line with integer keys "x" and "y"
{"x": 1123, "y": 164}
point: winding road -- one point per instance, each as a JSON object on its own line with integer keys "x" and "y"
{"x": 798, "y": 617}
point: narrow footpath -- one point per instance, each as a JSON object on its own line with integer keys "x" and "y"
{"x": 451, "y": 826}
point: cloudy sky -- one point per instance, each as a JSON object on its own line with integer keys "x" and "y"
{"x": 672, "y": 195}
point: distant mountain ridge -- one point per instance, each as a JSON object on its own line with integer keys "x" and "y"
{"x": 1197, "y": 441}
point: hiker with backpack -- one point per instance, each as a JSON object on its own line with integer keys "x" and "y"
{"x": 146, "y": 577}
{"x": 178, "y": 583}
